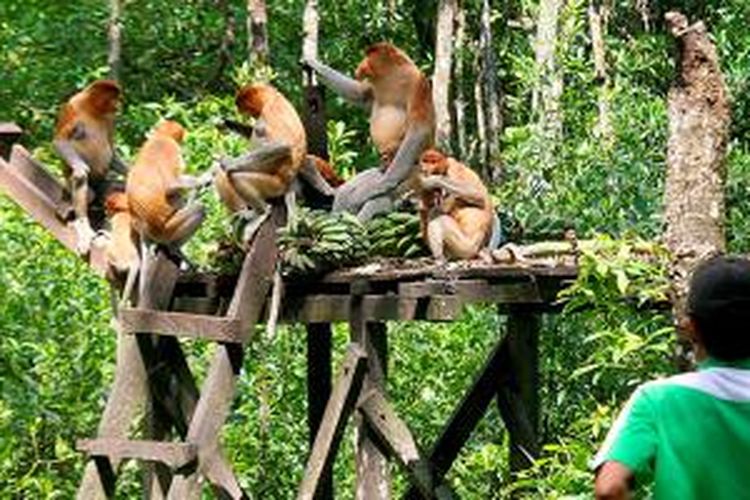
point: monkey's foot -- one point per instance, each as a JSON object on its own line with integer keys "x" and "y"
{"x": 85, "y": 235}
{"x": 252, "y": 227}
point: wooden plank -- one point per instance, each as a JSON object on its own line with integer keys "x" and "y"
{"x": 174, "y": 455}
{"x": 24, "y": 164}
{"x": 130, "y": 389}
{"x": 523, "y": 292}
{"x": 334, "y": 308}
{"x": 518, "y": 393}
{"x": 319, "y": 347}
{"x": 398, "y": 440}
{"x": 179, "y": 324}
{"x": 373, "y": 476}
{"x": 35, "y": 203}
{"x": 217, "y": 392}
{"x": 340, "y": 405}
{"x": 467, "y": 414}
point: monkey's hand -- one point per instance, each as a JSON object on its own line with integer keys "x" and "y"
{"x": 85, "y": 235}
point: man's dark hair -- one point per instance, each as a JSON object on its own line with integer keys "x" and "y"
{"x": 719, "y": 304}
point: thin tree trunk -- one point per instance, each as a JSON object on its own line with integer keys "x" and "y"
{"x": 257, "y": 20}
{"x": 698, "y": 112}
{"x": 114, "y": 54}
{"x": 458, "y": 78}
{"x": 310, "y": 29}
{"x": 546, "y": 96}
{"x": 645, "y": 12}
{"x": 603, "y": 128}
{"x": 227, "y": 42}
{"x": 442, "y": 78}
{"x": 479, "y": 146}
{"x": 491, "y": 92}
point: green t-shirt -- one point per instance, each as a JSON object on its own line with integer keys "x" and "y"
{"x": 690, "y": 432}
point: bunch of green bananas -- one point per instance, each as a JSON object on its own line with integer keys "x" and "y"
{"x": 396, "y": 234}
{"x": 315, "y": 241}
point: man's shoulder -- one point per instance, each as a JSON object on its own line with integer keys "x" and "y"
{"x": 730, "y": 384}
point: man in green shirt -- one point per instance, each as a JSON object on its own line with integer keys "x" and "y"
{"x": 691, "y": 432}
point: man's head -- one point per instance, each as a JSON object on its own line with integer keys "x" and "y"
{"x": 719, "y": 307}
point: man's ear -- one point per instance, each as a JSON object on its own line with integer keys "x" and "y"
{"x": 689, "y": 329}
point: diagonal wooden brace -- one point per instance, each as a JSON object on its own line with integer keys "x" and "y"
{"x": 340, "y": 406}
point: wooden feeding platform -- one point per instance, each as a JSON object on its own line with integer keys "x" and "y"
{"x": 179, "y": 445}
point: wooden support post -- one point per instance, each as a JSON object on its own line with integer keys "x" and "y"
{"x": 518, "y": 393}
{"x": 130, "y": 390}
{"x": 340, "y": 406}
{"x": 217, "y": 393}
{"x": 466, "y": 416}
{"x": 319, "y": 344}
{"x": 373, "y": 477}
{"x": 397, "y": 439}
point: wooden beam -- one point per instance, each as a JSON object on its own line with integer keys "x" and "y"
{"x": 217, "y": 392}
{"x": 518, "y": 392}
{"x": 466, "y": 416}
{"x": 174, "y": 455}
{"x": 398, "y": 440}
{"x": 340, "y": 405}
{"x": 179, "y": 324}
{"x": 319, "y": 346}
{"x": 522, "y": 292}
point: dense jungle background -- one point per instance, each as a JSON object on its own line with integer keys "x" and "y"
{"x": 550, "y": 159}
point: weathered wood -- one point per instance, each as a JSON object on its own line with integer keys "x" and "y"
{"x": 518, "y": 391}
{"x": 181, "y": 324}
{"x": 397, "y": 439}
{"x": 218, "y": 390}
{"x": 23, "y": 163}
{"x": 465, "y": 417}
{"x": 131, "y": 384}
{"x": 524, "y": 292}
{"x": 9, "y": 134}
{"x": 340, "y": 406}
{"x": 319, "y": 345}
{"x": 373, "y": 477}
{"x": 174, "y": 455}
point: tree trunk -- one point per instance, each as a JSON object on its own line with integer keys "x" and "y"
{"x": 458, "y": 78}
{"x": 114, "y": 59}
{"x": 310, "y": 29}
{"x": 257, "y": 19}
{"x": 442, "y": 77}
{"x": 490, "y": 89}
{"x": 227, "y": 42}
{"x": 645, "y": 12}
{"x": 546, "y": 96}
{"x": 479, "y": 146}
{"x": 699, "y": 119}
{"x": 603, "y": 129}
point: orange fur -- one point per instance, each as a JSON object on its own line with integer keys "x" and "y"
{"x": 474, "y": 222}
{"x": 327, "y": 171}
{"x": 157, "y": 167}
{"x": 281, "y": 123}
{"x": 402, "y": 97}
{"x": 122, "y": 249}
{"x": 87, "y": 120}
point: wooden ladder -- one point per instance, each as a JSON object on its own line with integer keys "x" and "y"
{"x": 152, "y": 372}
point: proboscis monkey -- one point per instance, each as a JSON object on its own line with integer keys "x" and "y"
{"x": 155, "y": 187}
{"x": 121, "y": 242}
{"x": 84, "y": 139}
{"x": 279, "y": 152}
{"x": 402, "y": 124}
{"x": 456, "y": 209}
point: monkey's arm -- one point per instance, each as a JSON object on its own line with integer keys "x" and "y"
{"x": 67, "y": 152}
{"x": 263, "y": 159}
{"x": 350, "y": 89}
{"x": 236, "y": 127}
{"x": 466, "y": 191}
{"x": 401, "y": 167}
{"x": 312, "y": 176}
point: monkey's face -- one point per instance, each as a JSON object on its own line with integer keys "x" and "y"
{"x": 251, "y": 99}
{"x": 171, "y": 129}
{"x": 103, "y": 96}
{"x": 380, "y": 60}
{"x": 433, "y": 163}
